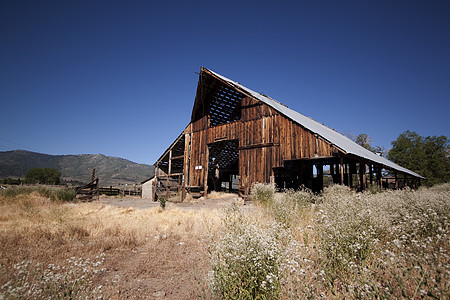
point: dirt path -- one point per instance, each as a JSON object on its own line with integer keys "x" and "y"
{"x": 167, "y": 266}
{"x": 214, "y": 201}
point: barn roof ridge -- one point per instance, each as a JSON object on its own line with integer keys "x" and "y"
{"x": 334, "y": 137}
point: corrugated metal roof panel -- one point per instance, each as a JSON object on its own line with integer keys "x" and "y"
{"x": 325, "y": 132}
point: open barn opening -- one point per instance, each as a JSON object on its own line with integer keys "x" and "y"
{"x": 223, "y": 166}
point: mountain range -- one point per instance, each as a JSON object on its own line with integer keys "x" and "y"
{"x": 75, "y": 168}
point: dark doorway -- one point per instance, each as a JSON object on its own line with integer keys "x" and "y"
{"x": 223, "y": 165}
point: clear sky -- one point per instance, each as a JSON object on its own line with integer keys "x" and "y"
{"x": 119, "y": 77}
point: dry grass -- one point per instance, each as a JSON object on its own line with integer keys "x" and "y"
{"x": 33, "y": 228}
{"x": 340, "y": 244}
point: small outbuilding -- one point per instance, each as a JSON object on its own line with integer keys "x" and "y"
{"x": 148, "y": 187}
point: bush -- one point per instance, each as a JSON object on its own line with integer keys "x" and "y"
{"x": 263, "y": 192}
{"x": 53, "y": 193}
{"x": 248, "y": 261}
{"x": 66, "y": 194}
{"x": 288, "y": 208}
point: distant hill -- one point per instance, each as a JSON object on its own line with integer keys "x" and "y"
{"x": 109, "y": 170}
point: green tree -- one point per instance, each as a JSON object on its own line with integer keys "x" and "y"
{"x": 428, "y": 156}
{"x": 365, "y": 141}
{"x": 43, "y": 176}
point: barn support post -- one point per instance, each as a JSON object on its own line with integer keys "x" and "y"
{"x": 380, "y": 186}
{"x": 362, "y": 176}
{"x": 352, "y": 166}
{"x": 300, "y": 173}
{"x": 205, "y": 178}
{"x": 332, "y": 171}
{"x": 185, "y": 182}
{"x": 319, "y": 167}
{"x": 170, "y": 163}
{"x": 168, "y": 175}
{"x": 347, "y": 173}
{"x": 156, "y": 182}
{"x": 396, "y": 180}
{"x": 371, "y": 174}
{"x": 342, "y": 170}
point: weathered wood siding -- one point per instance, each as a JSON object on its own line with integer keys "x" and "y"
{"x": 266, "y": 140}
{"x": 224, "y": 132}
{"x": 198, "y": 163}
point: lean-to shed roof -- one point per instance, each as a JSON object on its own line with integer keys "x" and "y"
{"x": 332, "y": 136}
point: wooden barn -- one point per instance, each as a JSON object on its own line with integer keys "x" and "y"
{"x": 238, "y": 137}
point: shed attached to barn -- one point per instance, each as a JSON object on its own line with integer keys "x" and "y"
{"x": 235, "y": 132}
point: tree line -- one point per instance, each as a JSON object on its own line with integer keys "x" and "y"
{"x": 427, "y": 156}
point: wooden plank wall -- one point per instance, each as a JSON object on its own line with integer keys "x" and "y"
{"x": 228, "y": 131}
{"x": 198, "y": 156}
{"x": 266, "y": 140}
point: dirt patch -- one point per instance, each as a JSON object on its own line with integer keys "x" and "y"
{"x": 213, "y": 201}
{"x": 166, "y": 267}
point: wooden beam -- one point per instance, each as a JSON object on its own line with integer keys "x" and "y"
{"x": 261, "y": 145}
{"x": 171, "y": 175}
{"x": 319, "y": 167}
{"x": 342, "y": 170}
{"x": 170, "y": 162}
{"x": 205, "y": 178}
{"x": 379, "y": 177}
{"x": 187, "y": 148}
{"x": 156, "y": 183}
{"x": 396, "y": 181}
{"x": 362, "y": 176}
{"x": 177, "y": 157}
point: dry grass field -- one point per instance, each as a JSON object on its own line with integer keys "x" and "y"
{"x": 340, "y": 244}
{"x": 130, "y": 253}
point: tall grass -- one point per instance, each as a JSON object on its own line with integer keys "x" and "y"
{"x": 249, "y": 259}
{"x": 53, "y": 193}
{"x": 389, "y": 244}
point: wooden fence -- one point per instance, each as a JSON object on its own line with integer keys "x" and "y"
{"x": 116, "y": 192}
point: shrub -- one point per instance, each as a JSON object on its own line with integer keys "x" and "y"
{"x": 248, "y": 261}
{"x": 287, "y": 209}
{"x": 66, "y": 194}
{"x": 263, "y": 192}
{"x": 53, "y": 193}
{"x": 162, "y": 202}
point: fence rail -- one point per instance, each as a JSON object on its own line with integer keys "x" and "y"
{"x": 116, "y": 192}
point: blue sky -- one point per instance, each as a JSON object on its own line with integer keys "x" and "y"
{"x": 119, "y": 77}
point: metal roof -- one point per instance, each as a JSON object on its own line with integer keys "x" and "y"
{"x": 332, "y": 136}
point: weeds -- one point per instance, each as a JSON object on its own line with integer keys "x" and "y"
{"x": 263, "y": 193}
{"x": 377, "y": 244}
{"x": 74, "y": 280}
{"x": 248, "y": 261}
{"x": 53, "y": 193}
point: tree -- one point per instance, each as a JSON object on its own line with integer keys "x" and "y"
{"x": 365, "y": 141}
{"x": 428, "y": 156}
{"x": 43, "y": 176}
